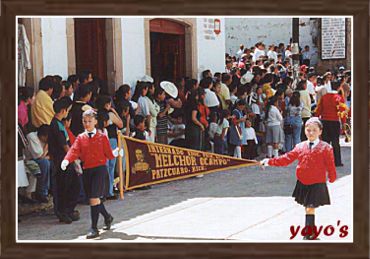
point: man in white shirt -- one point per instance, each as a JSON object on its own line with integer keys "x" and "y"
{"x": 311, "y": 82}
{"x": 240, "y": 51}
{"x": 259, "y": 51}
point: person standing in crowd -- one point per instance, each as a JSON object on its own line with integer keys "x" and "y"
{"x": 194, "y": 127}
{"x": 211, "y": 100}
{"x": 236, "y": 133}
{"x": 294, "y": 120}
{"x": 104, "y": 105}
{"x": 251, "y": 150}
{"x": 67, "y": 186}
{"x": 327, "y": 110}
{"x": 93, "y": 148}
{"x": 79, "y": 107}
{"x": 68, "y": 89}
{"x": 315, "y": 162}
{"x": 204, "y": 117}
{"x": 311, "y": 85}
{"x": 25, "y": 99}
{"x": 288, "y": 54}
{"x": 272, "y": 53}
{"x": 74, "y": 81}
{"x": 122, "y": 98}
{"x": 225, "y": 92}
{"x": 162, "y": 117}
{"x": 306, "y": 100}
{"x": 259, "y": 51}
{"x": 274, "y": 121}
{"x": 306, "y": 56}
{"x": 327, "y": 77}
{"x": 240, "y": 51}
{"x": 42, "y": 108}
{"x": 140, "y": 132}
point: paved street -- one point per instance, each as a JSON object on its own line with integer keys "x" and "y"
{"x": 246, "y": 205}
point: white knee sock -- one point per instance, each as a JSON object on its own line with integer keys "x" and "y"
{"x": 276, "y": 152}
{"x": 238, "y": 152}
{"x": 269, "y": 151}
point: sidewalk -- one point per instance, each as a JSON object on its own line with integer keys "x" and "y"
{"x": 243, "y": 219}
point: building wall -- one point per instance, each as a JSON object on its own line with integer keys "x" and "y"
{"x": 133, "y": 50}
{"x": 249, "y": 31}
{"x": 211, "y": 47}
{"x": 309, "y": 35}
{"x": 54, "y": 46}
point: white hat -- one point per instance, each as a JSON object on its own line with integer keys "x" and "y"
{"x": 246, "y": 78}
{"x": 169, "y": 88}
{"x": 147, "y": 78}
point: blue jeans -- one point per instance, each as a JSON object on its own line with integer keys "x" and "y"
{"x": 111, "y": 164}
{"x": 293, "y": 139}
{"x": 43, "y": 182}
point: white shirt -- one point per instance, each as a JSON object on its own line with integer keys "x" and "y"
{"x": 35, "y": 147}
{"x": 255, "y": 108}
{"x": 210, "y": 99}
{"x": 315, "y": 143}
{"x": 251, "y": 134}
{"x": 239, "y": 53}
{"x": 225, "y": 124}
{"x": 272, "y": 54}
{"x": 93, "y": 132}
{"x": 143, "y": 103}
{"x": 212, "y": 129}
{"x": 328, "y": 86}
{"x": 310, "y": 88}
{"x": 258, "y": 53}
{"x": 274, "y": 117}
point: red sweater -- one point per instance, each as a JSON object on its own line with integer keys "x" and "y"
{"x": 313, "y": 165}
{"x": 93, "y": 152}
{"x": 328, "y": 107}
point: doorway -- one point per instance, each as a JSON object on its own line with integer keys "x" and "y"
{"x": 167, "y": 50}
{"x": 90, "y": 46}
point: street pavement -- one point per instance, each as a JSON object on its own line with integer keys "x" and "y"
{"x": 242, "y": 205}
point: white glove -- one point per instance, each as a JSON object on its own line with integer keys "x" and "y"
{"x": 64, "y": 165}
{"x": 121, "y": 152}
{"x": 265, "y": 162}
{"x": 115, "y": 152}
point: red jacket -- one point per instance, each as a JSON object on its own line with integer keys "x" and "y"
{"x": 313, "y": 165}
{"x": 93, "y": 152}
{"x": 329, "y": 107}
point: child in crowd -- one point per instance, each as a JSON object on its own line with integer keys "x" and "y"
{"x": 176, "y": 132}
{"x": 238, "y": 121}
{"x": 221, "y": 132}
{"x": 79, "y": 106}
{"x": 140, "y": 132}
{"x": 66, "y": 188}
{"x": 251, "y": 148}
{"x": 315, "y": 161}
{"x": 93, "y": 148}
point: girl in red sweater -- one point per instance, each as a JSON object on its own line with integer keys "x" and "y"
{"x": 315, "y": 162}
{"x": 93, "y": 149}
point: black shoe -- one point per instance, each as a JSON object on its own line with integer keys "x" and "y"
{"x": 93, "y": 233}
{"x": 65, "y": 218}
{"x": 114, "y": 197}
{"x": 108, "y": 222}
{"x": 339, "y": 165}
{"x": 75, "y": 215}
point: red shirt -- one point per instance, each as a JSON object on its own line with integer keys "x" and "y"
{"x": 93, "y": 152}
{"x": 71, "y": 137}
{"x": 313, "y": 165}
{"x": 204, "y": 113}
{"x": 328, "y": 107}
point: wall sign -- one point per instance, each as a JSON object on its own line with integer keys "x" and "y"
{"x": 333, "y": 38}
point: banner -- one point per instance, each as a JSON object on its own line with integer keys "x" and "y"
{"x": 150, "y": 163}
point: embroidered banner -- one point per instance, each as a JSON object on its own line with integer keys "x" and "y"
{"x": 152, "y": 163}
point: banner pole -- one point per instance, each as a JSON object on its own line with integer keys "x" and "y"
{"x": 121, "y": 195}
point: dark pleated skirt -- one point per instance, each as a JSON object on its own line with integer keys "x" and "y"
{"x": 311, "y": 196}
{"x": 95, "y": 182}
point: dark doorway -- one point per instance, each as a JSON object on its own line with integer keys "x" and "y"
{"x": 90, "y": 46}
{"x": 167, "y": 50}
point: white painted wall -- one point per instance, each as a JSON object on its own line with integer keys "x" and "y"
{"x": 133, "y": 50}
{"x": 211, "y": 52}
{"x": 54, "y": 46}
{"x": 308, "y": 31}
{"x": 249, "y": 31}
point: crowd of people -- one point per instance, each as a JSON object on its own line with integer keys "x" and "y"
{"x": 251, "y": 109}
